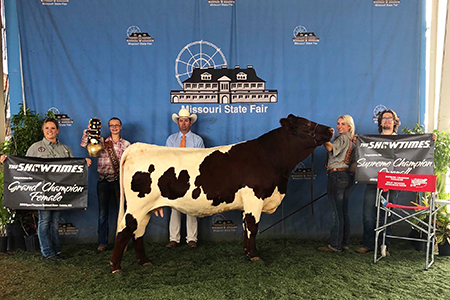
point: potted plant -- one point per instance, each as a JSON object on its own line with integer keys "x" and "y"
{"x": 26, "y": 128}
{"x": 443, "y": 230}
{"x": 441, "y": 169}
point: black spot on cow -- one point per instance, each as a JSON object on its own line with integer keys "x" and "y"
{"x": 223, "y": 174}
{"x": 172, "y": 187}
{"x": 196, "y": 193}
{"x": 142, "y": 182}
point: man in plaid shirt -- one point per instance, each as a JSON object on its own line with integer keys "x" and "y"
{"x": 108, "y": 176}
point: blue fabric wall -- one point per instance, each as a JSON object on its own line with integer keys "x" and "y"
{"x": 76, "y": 59}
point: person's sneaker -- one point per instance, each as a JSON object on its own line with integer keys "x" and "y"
{"x": 172, "y": 244}
{"x": 192, "y": 244}
{"x": 101, "y": 248}
{"x": 61, "y": 256}
{"x": 345, "y": 248}
{"x": 328, "y": 248}
{"x": 363, "y": 250}
{"x": 53, "y": 258}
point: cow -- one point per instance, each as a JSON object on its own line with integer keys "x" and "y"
{"x": 250, "y": 176}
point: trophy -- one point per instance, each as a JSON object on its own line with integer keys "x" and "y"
{"x": 94, "y": 146}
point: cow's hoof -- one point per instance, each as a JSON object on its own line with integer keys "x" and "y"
{"x": 255, "y": 258}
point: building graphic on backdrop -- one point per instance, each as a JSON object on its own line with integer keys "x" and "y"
{"x": 201, "y": 70}
{"x": 224, "y": 86}
{"x": 221, "y": 2}
{"x": 54, "y": 2}
{"x": 386, "y": 2}
{"x": 304, "y": 37}
{"x": 136, "y": 37}
{"x": 63, "y": 119}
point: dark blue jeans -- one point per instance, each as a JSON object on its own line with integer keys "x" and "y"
{"x": 48, "y": 232}
{"x": 370, "y": 215}
{"x": 338, "y": 189}
{"x": 106, "y": 191}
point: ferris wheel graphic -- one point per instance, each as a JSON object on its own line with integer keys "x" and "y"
{"x": 200, "y": 54}
{"x": 299, "y": 29}
{"x": 133, "y": 29}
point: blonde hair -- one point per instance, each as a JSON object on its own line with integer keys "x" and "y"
{"x": 349, "y": 120}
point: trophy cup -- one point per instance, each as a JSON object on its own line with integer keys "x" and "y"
{"x": 94, "y": 146}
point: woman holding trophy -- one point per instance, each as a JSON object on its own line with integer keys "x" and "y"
{"x": 109, "y": 151}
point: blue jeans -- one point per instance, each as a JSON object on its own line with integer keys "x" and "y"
{"x": 370, "y": 215}
{"x": 48, "y": 232}
{"x": 338, "y": 189}
{"x": 106, "y": 191}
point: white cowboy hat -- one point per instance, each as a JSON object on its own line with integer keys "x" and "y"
{"x": 184, "y": 113}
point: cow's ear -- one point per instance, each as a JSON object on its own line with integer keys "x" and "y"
{"x": 291, "y": 116}
{"x": 285, "y": 122}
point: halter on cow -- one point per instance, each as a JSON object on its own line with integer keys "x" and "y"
{"x": 250, "y": 176}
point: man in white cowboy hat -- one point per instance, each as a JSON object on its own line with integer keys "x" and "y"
{"x": 184, "y": 138}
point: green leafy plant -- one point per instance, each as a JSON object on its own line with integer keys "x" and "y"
{"x": 442, "y": 220}
{"x": 6, "y": 215}
{"x": 26, "y": 128}
{"x": 441, "y": 156}
{"x": 441, "y": 168}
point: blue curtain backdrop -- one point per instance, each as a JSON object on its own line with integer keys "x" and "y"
{"x": 77, "y": 61}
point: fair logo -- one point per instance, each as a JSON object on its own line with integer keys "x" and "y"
{"x": 63, "y": 119}
{"x": 220, "y": 224}
{"x": 376, "y": 111}
{"x": 201, "y": 70}
{"x": 221, "y": 2}
{"x": 304, "y": 37}
{"x": 54, "y": 2}
{"x": 135, "y": 37}
{"x": 386, "y": 3}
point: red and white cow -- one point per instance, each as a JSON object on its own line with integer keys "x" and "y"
{"x": 250, "y": 176}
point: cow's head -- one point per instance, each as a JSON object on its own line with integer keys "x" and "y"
{"x": 306, "y": 128}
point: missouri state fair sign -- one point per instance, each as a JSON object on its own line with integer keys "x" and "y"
{"x": 32, "y": 183}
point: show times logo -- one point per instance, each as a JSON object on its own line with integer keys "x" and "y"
{"x": 397, "y": 145}
{"x": 47, "y": 168}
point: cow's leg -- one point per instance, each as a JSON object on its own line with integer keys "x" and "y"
{"x": 250, "y": 231}
{"x": 251, "y": 217}
{"x": 138, "y": 243}
{"x": 122, "y": 239}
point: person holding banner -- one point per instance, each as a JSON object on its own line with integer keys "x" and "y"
{"x": 49, "y": 147}
{"x": 339, "y": 158}
{"x": 108, "y": 176}
{"x": 388, "y": 123}
{"x": 185, "y": 138}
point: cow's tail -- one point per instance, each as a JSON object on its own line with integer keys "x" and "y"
{"x": 121, "y": 214}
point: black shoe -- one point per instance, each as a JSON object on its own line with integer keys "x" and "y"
{"x": 61, "y": 256}
{"x": 53, "y": 258}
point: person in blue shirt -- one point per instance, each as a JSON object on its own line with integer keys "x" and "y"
{"x": 185, "y": 138}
